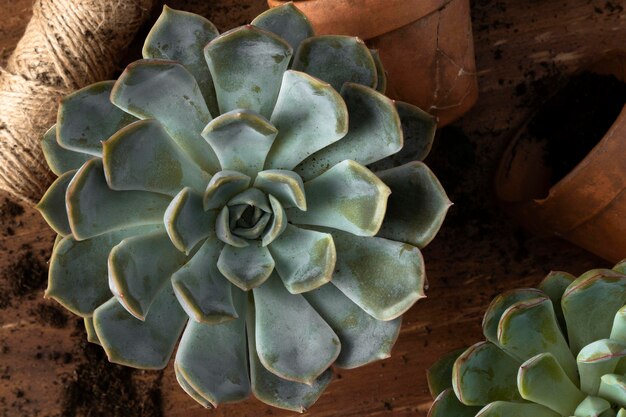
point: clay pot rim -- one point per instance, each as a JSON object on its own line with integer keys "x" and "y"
{"x": 403, "y": 12}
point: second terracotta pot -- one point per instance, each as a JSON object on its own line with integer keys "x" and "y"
{"x": 426, "y": 46}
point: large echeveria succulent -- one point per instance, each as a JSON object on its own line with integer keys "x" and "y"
{"x": 556, "y": 351}
{"x": 219, "y": 185}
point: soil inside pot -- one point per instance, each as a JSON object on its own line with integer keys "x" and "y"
{"x": 574, "y": 120}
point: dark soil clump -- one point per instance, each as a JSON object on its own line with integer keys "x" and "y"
{"x": 51, "y": 315}
{"x": 574, "y": 120}
{"x": 27, "y": 274}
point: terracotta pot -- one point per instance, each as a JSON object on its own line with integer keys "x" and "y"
{"x": 426, "y": 46}
{"x": 586, "y": 207}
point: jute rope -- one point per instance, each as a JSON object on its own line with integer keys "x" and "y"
{"x": 67, "y": 45}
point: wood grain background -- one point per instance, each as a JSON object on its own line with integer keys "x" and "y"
{"x": 523, "y": 50}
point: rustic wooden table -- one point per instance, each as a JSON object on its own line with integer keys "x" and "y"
{"x": 523, "y": 49}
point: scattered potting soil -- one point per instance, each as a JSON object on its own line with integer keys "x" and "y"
{"x": 51, "y": 315}
{"x": 574, "y": 120}
{"x": 27, "y": 274}
{"x": 103, "y": 389}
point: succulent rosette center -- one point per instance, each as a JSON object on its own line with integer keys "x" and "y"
{"x": 222, "y": 188}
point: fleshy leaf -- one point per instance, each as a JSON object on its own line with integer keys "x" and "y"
{"x": 286, "y": 186}
{"x": 305, "y": 259}
{"x": 381, "y": 83}
{"x": 246, "y": 267}
{"x": 241, "y": 140}
{"x": 447, "y": 405}
{"x": 59, "y": 159}
{"x": 247, "y": 65}
{"x": 439, "y": 375}
{"x": 336, "y": 60}
{"x": 374, "y": 132}
{"x": 606, "y": 291}
{"x": 142, "y": 156}
{"x": 542, "y": 380}
{"x": 347, "y": 197}
{"x": 309, "y": 115}
{"x": 252, "y": 197}
{"x": 223, "y": 186}
{"x": 191, "y": 391}
{"x": 186, "y": 221}
{"x": 140, "y": 344}
{"x": 212, "y": 358}
{"x": 618, "y": 330}
{"x": 286, "y": 21}
{"x": 275, "y": 391}
{"x": 87, "y": 117}
{"x": 139, "y": 268}
{"x": 613, "y": 388}
{"x": 93, "y": 208}
{"x": 507, "y": 409}
{"x": 620, "y": 267}
{"x": 417, "y": 206}
{"x": 181, "y": 36}
{"x": 203, "y": 292}
{"x": 52, "y": 204}
{"x": 166, "y": 91}
{"x": 529, "y": 327}
{"x": 592, "y": 406}
{"x": 78, "y": 276}
{"x": 596, "y": 359}
{"x": 554, "y": 285}
{"x": 293, "y": 342}
{"x": 278, "y": 224}
{"x": 385, "y": 278}
{"x": 484, "y": 373}
{"x": 222, "y": 229}
{"x": 363, "y": 338}
{"x": 92, "y": 337}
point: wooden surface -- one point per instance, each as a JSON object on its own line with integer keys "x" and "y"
{"x": 523, "y": 48}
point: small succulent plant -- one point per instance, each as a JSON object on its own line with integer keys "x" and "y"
{"x": 559, "y": 350}
{"x": 220, "y": 186}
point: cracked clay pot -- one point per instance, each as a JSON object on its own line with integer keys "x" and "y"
{"x": 426, "y": 47}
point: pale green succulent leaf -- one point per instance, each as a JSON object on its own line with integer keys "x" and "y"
{"x": 191, "y": 391}
{"x": 499, "y": 304}
{"x": 276, "y": 391}
{"x": 596, "y": 359}
{"x": 252, "y": 197}
{"x": 529, "y": 327}
{"x": 143, "y": 157}
{"x": 286, "y": 186}
{"x": 606, "y": 291}
{"x": 52, "y": 204}
{"x": 255, "y": 231}
{"x": 212, "y": 358}
{"x": 247, "y": 65}
{"x": 554, "y": 285}
{"x": 417, "y": 205}
{"x": 347, "y": 197}
{"x": 618, "y": 330}
{"x": 305, "y": 259}
{"x": 277, "y": 225}
{"x": 93, "y": 208}
{"x": 374, "y": 132}
{"x": 241, "y": 140}
{"x": 363, "y": 338}
{"x": 381, "y": 75}
{"x": 509, "y": 409}
{"x": 166, "y": 91}
{"x": 203, "y": 292}
{"x": 309, "y": 115}
{"x": 78, "y": 275}
{"x": 246, "y": 267}
{"x": 92, "y": 337}
{"x": 140, "y": 344}
{"x": 620, "y": 413}
{"x": 484, "y": 373}
{"x": 613, "y": 388}
{"x": 140, "y": 267}
{"x": 448, "y": 405}
{"x": 383, "y": 277}
{"x": 286, "y": 21}
{"x": 418, "y": 129}
{"x": 439, "y": 375}
{"x": 293, "y": 341}
{"x": 59, "y": 159}
{"x": 87, "y": 117}
{"x": 337, "y": 60}
{"x": 592, "y": 406}
{"x": 186, "y": 221}
{"x": 542, "y": 380}
{"x": 620, "y": 267}
{"x": 223, "y": 186}
{"x": 181, "y": 36}
{"x": 224, "y": 232}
